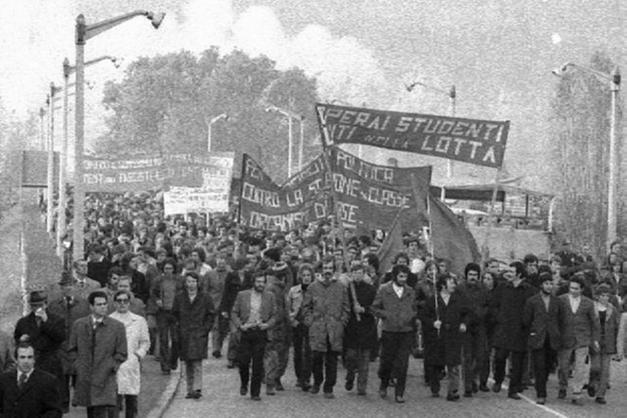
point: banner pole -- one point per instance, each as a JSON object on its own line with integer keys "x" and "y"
{"x": 485, "y": 249}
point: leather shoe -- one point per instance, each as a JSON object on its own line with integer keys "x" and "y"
{"x": 230, "y": 364}
{"x": 468, "y": 394}
{"x": 255, "y": 398}
{"x": 329, "y": 395}
{"x": 496, "y": 388}
{"x": 541, "y": 401}
{"x": 383, "y": 392}
{"x": 484, "y": 388}
{"x": 561, "y": 394}
{"x": 190, "y": 395}
{"x": 216, "y": 354}
{"x": 270, "y": 391}
{"x": 243, "y": 390}
{"x": 514, "y": 396}
{"x": 399, "y": 399}
{"x": 349, "y": 384}
{"x": 601, "y": 401}
{"x": 279, "y": 386}
{"x": 305, "y": 387}
{"x": 361, "y": 392}
{"x": 452, "y": 397}
{"x": 475, "y": 388}
{"x": 576, "y": 401}
{"x": 591, "y": 391}
{"x": 315, "y": 389}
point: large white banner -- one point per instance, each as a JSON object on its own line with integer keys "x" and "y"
{"x": 213, "y": 196}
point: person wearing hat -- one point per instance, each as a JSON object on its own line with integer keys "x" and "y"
{"x": 540, "y": 319}
{"x": 609, "y": 321}
{"x": 70, "y": 306}
{"x": 45, "y": 331}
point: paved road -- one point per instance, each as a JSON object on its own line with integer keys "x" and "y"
{"x": 221, "y": 399}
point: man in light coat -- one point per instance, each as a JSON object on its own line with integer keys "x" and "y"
{"x": 138, "y": 344}
{"x": 97, "y": 347}
{"x": 326, "y": 311}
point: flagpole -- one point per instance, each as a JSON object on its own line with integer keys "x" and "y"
{"x": 485, "y": 247}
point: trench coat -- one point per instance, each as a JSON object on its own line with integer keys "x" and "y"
{"x": 97, "y": 355}
{"x": 444, "y": 348}
{"x": 195, "y": 320}
{"x": 138, "y": 344}
{"x": 362, "y": 333}
{"x": 70, "y": 310}
{"x": 507, "y": 306}
{"x": 325, "y": 311}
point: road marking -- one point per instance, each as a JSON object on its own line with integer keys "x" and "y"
{"x": 543, "y": 407}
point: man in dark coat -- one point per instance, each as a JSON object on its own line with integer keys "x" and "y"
{"x": 45, "y": 331}
{"x": 28, "y": 392}
{"x": 510, "y": 337}
{"x": 475, "y": 341}
{"x": 540, "y": 319}
{"x": 445, "y": 321}
{"x": 70, "y": 306}
{"x": 97, "y": 347}
{"x": 360, "y": 336}
{"x": 395, "y": 304}
{"x": 253, "y": 314}
{"x": 194, "y": 312}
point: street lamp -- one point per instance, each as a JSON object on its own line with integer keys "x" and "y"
{"x": 210, "y": 123}
{"x": 83, "y": 33}
{"x": 290, "y": 115}
{"x": 614, "y": 81}
{"x": 452, "y": 95}
{"x": 67, "y": 71}
{"x": 50, "y": 174}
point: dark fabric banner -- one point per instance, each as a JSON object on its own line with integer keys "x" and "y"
{"x": 266, "y": 205}
{"x": 474, "y": 141}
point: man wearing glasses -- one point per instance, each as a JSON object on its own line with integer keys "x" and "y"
{"x": 138, "y": 344}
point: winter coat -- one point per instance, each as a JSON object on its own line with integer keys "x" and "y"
{"x": 216, "y": 280}
{"x": 541, "y": 323}
{"x": 39, "y": 398}
{"x": 195, "y": 320}
{"x": 325, "y": 312}
{"x": 46, "y": 338}
{"x": 361, "y": 333}
{"x": 444, "y": 347}
{"x": 241, "y": 309}
{"x": 477, "y": 297}
{"x": 138, "y": 344}
{"x": 398, "y": 315}
{"x": 508, "y": 305}
{"x": 281, "y": 329}
{"x": 69, "y": 310}
{"x": 97, "y": 355}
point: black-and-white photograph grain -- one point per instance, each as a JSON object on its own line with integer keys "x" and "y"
{"x": 313, "y": 208}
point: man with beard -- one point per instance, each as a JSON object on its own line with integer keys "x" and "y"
{"x": 326, "y": 311}
{"x": 253, "y": 314}
{"x": 361, "y": 331}
{"x": 540, "y": 319}
{"x": 510, "y": 338}
{"x": 395, "y": 304}
{"x": 475, "y": 342}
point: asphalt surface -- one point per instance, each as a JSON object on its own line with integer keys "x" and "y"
{"x": 221, "y": 399}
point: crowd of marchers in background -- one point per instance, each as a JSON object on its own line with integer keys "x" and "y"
{"x": 179, "y": 290}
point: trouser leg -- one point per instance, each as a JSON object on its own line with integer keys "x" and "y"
{"x": 515, "y": 380}
{"x": 403, "y": 341}
{"x": 330, "y": 369}
{"x": 604, "y": 377}
{"x": 245, "y": 354}
{"x": 580, "y": 371}
{"x": 258, "y": 348}
{"x": 500, "y": 358}
{"x": 452, "y": 374}
{"x": 563, "y": 359}
{"x": 317, "y": 364}
{"x": 131, "y": 406}
{"x": 297, "y": 338}
{"x": 362, "y": 367}
{"x": 388, "y": 353}
{"x": 540, "y": 366}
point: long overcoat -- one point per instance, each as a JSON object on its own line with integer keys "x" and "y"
{"x": 361, "y": 333}
{"x": 325, "y": 311}
{"x": 195, "y": 320}
{"x": 443, "y": 348}
{"x": 138, "y": 344}
{"x": 97, "y": 355}
{"x": 70, "y": 310}
{"x": 507, "y": 306}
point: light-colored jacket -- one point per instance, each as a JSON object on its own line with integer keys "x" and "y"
{"x": 138, "y": 343}
{"x": 294, "y": 304}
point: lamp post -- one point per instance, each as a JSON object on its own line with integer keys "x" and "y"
{"x": 289, "y": 115}
{"x": 42, "y": 128}
{"x": 614, "y": 80}
{"x": 452, "y": 95}
{"x": 61, "y": 218}
{"x": 50, "y": 175}
{"x": 210, "y": 123}
{"x": 84, "y": 32}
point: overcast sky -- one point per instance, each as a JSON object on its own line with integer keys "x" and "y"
{"x": 498, "y": 53}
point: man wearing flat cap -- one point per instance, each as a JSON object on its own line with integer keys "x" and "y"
{"x": 45, "y": 331}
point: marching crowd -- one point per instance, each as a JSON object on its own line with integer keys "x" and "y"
{"x": 162, "y": 287}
